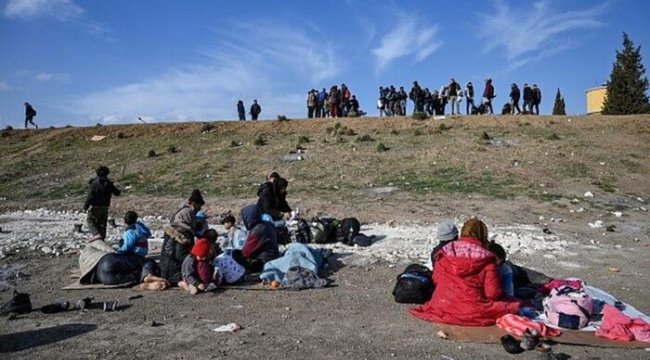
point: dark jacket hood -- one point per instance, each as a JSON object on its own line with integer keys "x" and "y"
{"x": 250, "y": 216}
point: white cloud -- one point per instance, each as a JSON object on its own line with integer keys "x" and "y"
{"x": 408, "y": 37}
{"x": 532, "y": 31}
{"x": 44, "y": 76}
{"x": 253, "y": 61}
{"x": 4, "y": 86}
{"x": 62, "y": 10}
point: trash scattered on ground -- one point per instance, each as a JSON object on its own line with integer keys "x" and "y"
{"x": 589, "y": 194}
{"x": 231, "y": 328}
{"x": 596, "y": 224}
{"x": 98, "y": 138}
{"x": 441, "y": 334}
{"x": 617, "y": 213}
{"x": 614, "y": 269}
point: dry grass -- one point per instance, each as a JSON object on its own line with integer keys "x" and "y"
{"x": 426, "y": 156}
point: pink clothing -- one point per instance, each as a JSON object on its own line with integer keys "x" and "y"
{"x": 618, "y": 326}
{"x": 204, "y": 271}
{"x": 556, "y": 283}
{"x": 516, "y": 325}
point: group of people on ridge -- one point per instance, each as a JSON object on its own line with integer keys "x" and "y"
{"x": 254, "y": 112}
{"x": 338, "y": 102}
{"x": 532, "y": 99}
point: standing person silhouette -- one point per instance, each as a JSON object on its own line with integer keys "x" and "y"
{"x": 29, "y": 115}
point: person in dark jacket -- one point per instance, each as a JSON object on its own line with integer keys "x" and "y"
{"x": 469, "y": 98}
{"x": 256, "y": 109}
{"x": 100, "y": 191}
{"x": 417, "y": 97}
{"x": 29, "y": 115}
{"x": 537, "y": 98}
{"x": 272, "y": 197}
{"x": 178, "y": 238}
{"x": 488, "y": 95}
{"x": 241, "y": 110}
{"x": 515, "y": 95}
{"x": 528, "y": 99}
{"x": 261, "y": 244}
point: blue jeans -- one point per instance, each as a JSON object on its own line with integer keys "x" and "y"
{"x": 507, "y": 277}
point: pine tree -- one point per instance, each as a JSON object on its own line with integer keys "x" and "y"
{"x": 627, "y": 86}
{"x": 559, "y": 108}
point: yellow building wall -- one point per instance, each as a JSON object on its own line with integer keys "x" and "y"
{"x": 595, "y": 99}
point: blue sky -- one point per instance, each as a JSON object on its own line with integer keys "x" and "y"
{"x": 83, "y": 62}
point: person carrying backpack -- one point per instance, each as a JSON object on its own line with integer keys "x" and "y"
{"x": 29, "y": 115}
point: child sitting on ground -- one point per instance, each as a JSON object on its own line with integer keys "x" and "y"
{"x": 201, "y": 223}
{"x": 197, "y": 269}
{"x": 235, "y": 235}
{"x": 514, "y": 279}
{"x": 135, "y": 237}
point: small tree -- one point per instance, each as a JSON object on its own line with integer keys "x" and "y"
{"x": 560, "y": 107}
{"x": 627, "y": 86}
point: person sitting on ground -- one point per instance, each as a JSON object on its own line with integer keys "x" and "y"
{"x": 134, "y": 240}
{"x": 198, "y": 271}
{"x": 445, "y": 233}
{"x": 235, "y": 235}
{"x": 514, "y": 279}
{"x": 179, "y": 238}
{"x": 468, "y": 290}
{"x": 100, "y": 191}
{"x": 201, "y": 223}
{"x": 261, "y": 243}
{"x": 272, "y": 198}
{"x": 99, "y": 264}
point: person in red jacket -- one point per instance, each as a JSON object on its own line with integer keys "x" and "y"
{"x": 468, "y": 290}
{"x": 488, "y": 95}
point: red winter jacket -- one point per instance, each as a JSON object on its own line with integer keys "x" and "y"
{"x": 468, "y": 289}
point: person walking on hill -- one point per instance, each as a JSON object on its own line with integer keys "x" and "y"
{"x": 515, "y": 95}
{"x": 100, "y": 191}
{"x": 256, "y": 109}
{"x": 29, "y": 115}
{"x": 469, "y": 97}
{"x": 488, "y": 95}
{"x": 241, "y": 110}
{"x": 537, "y": 98}
{"x": 453, "y": 93}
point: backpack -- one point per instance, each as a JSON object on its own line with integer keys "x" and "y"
{"x": 568, "y": 307}
{"x": 348, "y": 229}
{"x": 299, "y": 231}
{"x": 414, "y": 285}
{"x": 324, "y": 230}
{"x": 19, "y": 304}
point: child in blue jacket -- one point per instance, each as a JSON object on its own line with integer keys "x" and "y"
{"x": 135, "y": 237}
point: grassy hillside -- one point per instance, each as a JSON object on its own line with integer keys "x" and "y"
{"x": 539, "y": 158}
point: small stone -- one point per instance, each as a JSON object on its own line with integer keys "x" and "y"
{"x": 589, "y": 194}
{"x": 617, "y": 213}
{"x": 46, "y": 250}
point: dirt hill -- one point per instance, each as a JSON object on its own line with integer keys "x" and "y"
{"x": 383, "y": 167}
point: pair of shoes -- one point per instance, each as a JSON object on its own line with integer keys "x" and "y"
{"x": 109, "y": 305}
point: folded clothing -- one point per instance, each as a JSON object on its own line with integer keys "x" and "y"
{"x": 618, "y": 326}
{"x": 517, "y": 325}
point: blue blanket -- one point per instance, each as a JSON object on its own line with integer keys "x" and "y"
{"x": 296, "y": 255}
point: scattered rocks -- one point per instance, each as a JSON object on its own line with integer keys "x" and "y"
{"x": 589, "y": 194}
{"x": 596, "y": 224}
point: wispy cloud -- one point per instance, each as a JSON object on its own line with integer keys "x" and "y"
{"x": 4, "y": 86}
{"x": 274, "y": 64}
{"x": 61, "y": 10}
{"x": 532, "y": 32}
{"x": 44, "y": 77}
{"x": 409, "y": 37}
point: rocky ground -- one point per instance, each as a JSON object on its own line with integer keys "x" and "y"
{"x": 357, "y": 319}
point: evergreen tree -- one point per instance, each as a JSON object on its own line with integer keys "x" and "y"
{"x": 559, "y": 108}
{"x": 627, "y": 86}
